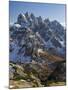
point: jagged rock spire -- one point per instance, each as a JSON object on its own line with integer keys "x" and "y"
{"x": 21, "y": 18}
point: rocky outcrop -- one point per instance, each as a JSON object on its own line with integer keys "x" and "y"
{"x": 35, "y": 74}
{"x": 37, "y": 51}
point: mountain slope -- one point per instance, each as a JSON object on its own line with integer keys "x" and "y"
{"x": 37, "y": 51}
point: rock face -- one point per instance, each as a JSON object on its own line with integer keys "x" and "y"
{"x": 36, "y": 75}
{"x": 37, "y": 50}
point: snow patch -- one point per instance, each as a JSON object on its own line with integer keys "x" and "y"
{"x": 17, "y": 25}
{"x": 40, "y": 51}
{"x": 32, "y": 36}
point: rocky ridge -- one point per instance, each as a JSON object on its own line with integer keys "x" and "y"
{"x": 37, "y": 50}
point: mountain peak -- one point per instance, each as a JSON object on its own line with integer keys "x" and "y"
{"x": 45, "y": 32}
{"x": 21, "y": 18}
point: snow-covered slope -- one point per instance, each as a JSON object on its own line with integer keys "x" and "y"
{"x": 30, "y": 34}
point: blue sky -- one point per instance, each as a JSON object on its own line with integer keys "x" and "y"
{"x": 51, "y": 11}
